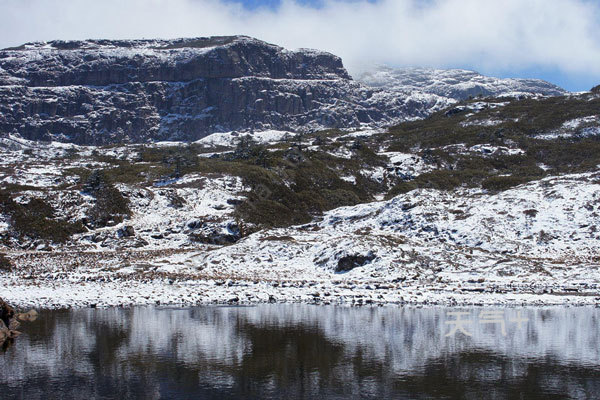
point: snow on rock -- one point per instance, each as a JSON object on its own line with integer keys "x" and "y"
{"x": 529, "y": 233}
{"x": 577, "y": 122}
{"x": 575, "y": 128}
{"x": 407, "y": 165}
{"x": 165, "y": 217}
{"x": 482, "y": 122}
{"x": 455, "y": 83}
{"x": 229, "y": 139}
{"x": 485, "y": 150}
{"x": 534, "y": 244}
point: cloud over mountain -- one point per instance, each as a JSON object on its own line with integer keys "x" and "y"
{"x": 493, "y": 36}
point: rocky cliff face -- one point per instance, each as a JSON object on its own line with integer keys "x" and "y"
{"x": 97, "y": 92}
{"x": 100, "y": 91}
{"x": 104, "y": 63}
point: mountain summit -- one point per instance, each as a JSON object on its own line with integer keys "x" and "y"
{"x": 113, "y": 91}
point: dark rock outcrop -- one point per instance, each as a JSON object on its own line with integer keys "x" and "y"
{"x": 9, "y": 323}
{"x": 98, "y": 92}
{"x": 5, "y": 264}
{"x": 348, "y": 263}
{"x": 113, "y": 91}
{"x": 126, "y": 231}
{"x": 7, "y": 313}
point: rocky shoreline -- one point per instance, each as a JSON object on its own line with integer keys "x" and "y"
{"x": 10, "y": 321}
{"x": 103, "y": 292}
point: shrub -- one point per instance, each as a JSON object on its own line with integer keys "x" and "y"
{"x": 5, "y": 263}
{"x": 439, "y": 179}
{"x": 110, "y": 207}
{"x": 401, "y": 188}
{"x": 36, "y": 220}
{"x": 500, "y": 183}
{"x": 266, "y": 212}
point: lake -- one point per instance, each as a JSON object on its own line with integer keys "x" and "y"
{"x": 304, "y": 351}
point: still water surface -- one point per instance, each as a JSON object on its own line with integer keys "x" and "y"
{"x": 301, "y": 351}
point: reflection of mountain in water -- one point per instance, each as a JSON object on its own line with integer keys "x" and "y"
{"x": 302, "y": 351}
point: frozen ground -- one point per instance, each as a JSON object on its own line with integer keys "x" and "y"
{"x": 535, "y": 244}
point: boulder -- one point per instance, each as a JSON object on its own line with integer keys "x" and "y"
{"x": 29, "y": 316}
{"x": 9, "y": 322}
{"x": 7, "y": 313}
{"x": 349, "y": 262}
{"x": 126, "y": 231}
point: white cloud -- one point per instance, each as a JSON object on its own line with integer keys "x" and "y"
{"x": 501, "y": 35}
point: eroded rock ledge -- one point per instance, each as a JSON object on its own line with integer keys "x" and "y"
{"x": 10, "y": 321}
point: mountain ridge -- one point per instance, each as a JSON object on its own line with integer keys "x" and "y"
{"x": 459, "y": 84}
{"x": 136, "y": 91}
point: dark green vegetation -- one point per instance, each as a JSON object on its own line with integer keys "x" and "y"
{"x": 5, "y": 264}
{"x": 295, "y": 180}
{"x": 36, "y": 220}
{"x": 110, "y": 207}
{"x": 521, "y": 121}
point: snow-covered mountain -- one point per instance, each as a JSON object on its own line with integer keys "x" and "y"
{"x": 489, "y": 201}
{"x": 112, "y": 91}
{"x": 94, "y": 92}
{"x": 455, "y": 84}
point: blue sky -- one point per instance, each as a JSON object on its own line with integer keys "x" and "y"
{"x": 556, "y": 40}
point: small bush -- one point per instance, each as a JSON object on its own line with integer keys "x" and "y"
{"x": 439, "y": 179}
{"x": 500, "y": 183}
{"x": 5, "y": 263}
{"x": 401, "y": 188}
{"x": 110, "y": 207}
{"x": 266, "y": 212}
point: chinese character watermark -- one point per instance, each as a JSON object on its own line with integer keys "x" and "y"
{"x": 461, "y": 321}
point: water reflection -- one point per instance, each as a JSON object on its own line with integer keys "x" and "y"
{"x": 295, "y": 351}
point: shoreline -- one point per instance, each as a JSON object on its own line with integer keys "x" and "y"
{"x": 184, "y": 278}
{"x": 62, "y": 295}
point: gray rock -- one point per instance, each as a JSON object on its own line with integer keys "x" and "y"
{"x": 126, "y": 231}
{"x": 349, "y": 262}
{"x": 99, "y": 92}
{"x": 455, "y": 84}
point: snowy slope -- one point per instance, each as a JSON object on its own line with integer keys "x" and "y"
{"x": 534, "y": 244}
{"x": 455, "y": 84}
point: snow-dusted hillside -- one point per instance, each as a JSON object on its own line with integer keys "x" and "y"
{"x": 533, "y": 244}
{"x": 455, "y": 84}
{"x": 487, "y": 201}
